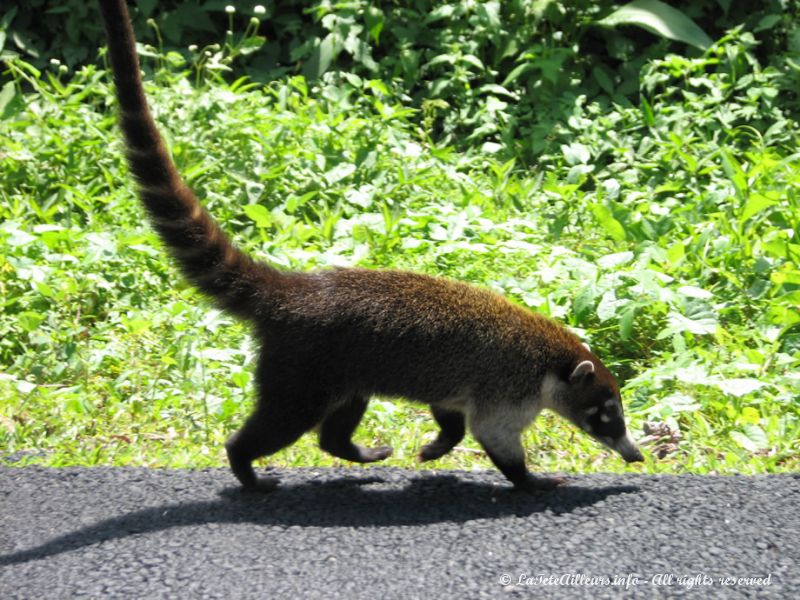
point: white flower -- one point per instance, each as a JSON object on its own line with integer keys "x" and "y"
{"x": 230, "y": 9}
{"x": 193, "y": 48}
{"x": 259, "y": 9}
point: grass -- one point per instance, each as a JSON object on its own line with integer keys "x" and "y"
{"x": 665, "y": 234}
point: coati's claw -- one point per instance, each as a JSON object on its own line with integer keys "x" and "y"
{"x": 533, "y": 483}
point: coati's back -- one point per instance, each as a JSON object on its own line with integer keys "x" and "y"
{"x": 330, "y": 339}
{"x": 412, "y": 335}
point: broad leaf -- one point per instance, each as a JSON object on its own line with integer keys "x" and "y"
{"x": 751, "y": 438}
{"x": 321, "y": 58}
{"x": 613, "y": 227}
{"x": 11, "y": 103}
{"x": 660, "y": 19}
{"x": 740, "y": 386}
{"x": 755, "y": 204}
{"x": 259, "y": 214}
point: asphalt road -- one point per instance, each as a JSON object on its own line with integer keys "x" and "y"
{"x": 382, "y": 534}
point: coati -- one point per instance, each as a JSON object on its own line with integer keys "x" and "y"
{"x": 331, "y": 339}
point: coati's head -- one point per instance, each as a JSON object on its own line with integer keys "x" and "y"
{"x": 589, "y": 397}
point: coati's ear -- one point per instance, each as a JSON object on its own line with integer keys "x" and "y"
{"x": 584, "y": 369}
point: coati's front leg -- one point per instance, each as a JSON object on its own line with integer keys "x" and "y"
{"x": 337, "y": 428}
{"x": 499, "y": 435}
{"x": 451, "y": 432}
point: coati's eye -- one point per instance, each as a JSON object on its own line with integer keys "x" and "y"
{"x": 604, "y": 419}
{"x": 610, "y": 409}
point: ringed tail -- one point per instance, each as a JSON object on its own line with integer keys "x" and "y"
{"x": 204, "y": 253}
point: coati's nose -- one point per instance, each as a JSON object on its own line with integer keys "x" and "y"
{"x": 628, "y": 449}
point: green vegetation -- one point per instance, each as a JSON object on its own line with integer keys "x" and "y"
{"x": 653, "y": 206}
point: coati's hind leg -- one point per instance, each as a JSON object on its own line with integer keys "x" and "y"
{"x": 273, "y": 426}
{"x": 451, "y": 432}
{"x": 337, "y": 429}
{"x": 499, "y": 434}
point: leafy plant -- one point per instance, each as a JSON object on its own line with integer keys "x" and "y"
{"x": 660, "y": 225}
{"x": 501, "y": 73}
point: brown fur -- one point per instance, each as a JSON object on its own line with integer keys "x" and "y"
{"x": 331, "y": 339}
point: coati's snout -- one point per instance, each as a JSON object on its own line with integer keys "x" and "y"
{"x": 591, "y": 401}
{"x": 628, "y": 449}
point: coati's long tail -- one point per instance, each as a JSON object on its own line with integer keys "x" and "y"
{"x": 203, "y": 251}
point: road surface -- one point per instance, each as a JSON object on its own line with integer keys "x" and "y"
{"x": 378, "y": 533}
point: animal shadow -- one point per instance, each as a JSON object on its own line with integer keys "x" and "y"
{"x": 360, "y": 501}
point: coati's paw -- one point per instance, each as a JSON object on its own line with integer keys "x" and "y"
{"x": 356, "y": 453}
{"x": 375, "y": 454}
{"x": 532, "y": 483}
{"x": 262, "y": 485}
{"x": 433, "y": 451}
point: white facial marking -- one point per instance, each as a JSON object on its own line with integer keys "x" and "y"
{"x": 592, "y": 411}
{"x": 605, "y": 418}
{"x": 610, "y": 402}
